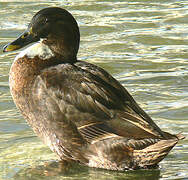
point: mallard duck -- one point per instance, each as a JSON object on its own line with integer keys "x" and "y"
{"x": 78, "y": 109}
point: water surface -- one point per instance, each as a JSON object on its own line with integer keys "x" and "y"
{"x": 142, "y": 43}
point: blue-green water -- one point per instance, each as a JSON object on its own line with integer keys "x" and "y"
{"x": 142, "y": 43}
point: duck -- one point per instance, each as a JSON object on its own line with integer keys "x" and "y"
{"x": 76, "y": 108}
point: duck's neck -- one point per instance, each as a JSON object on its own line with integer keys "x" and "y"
{"x": 64, "y": 43}
{"x": 38, "y": 49}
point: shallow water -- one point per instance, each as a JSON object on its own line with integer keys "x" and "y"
{"x": 142, "y": 43}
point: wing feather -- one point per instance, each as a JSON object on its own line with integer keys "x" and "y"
{"x": 92, "y": 100}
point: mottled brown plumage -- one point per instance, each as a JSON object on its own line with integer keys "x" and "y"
{"x": 79, "y": 110}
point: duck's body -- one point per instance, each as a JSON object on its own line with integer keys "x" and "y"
{"x": 79, "y": 110}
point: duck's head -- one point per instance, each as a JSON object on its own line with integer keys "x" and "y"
{"x": 54, "y": 27}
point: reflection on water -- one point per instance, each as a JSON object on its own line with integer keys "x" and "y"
{"x": 53, "y": 169}
{"x": 142, "y": 43}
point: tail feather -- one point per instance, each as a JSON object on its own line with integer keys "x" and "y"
{"x": 121, "y": 154}
{"x": 153, "y": 154}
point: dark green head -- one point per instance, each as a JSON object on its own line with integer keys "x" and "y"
{"x": 56, "y": 27}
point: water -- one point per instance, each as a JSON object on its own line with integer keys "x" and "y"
{"x": 142, "y": 43}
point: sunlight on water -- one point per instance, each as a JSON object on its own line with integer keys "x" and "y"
{"x": 142, "y": 43}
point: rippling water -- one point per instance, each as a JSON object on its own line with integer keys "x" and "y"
{"x": 143, "y": 43}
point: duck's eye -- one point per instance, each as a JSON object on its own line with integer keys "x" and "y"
{"x": 46, "y": 20}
